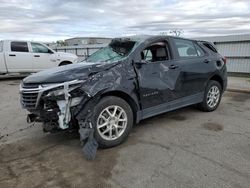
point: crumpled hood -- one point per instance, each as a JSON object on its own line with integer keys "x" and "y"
{"x": 66, "y": 73}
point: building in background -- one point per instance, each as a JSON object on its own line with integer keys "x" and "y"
{"x": 82, "y": 51}
{"x": 79, "y": 41}
{"x": 236, "y": 48}
{"x": 51, "y": 44}
{"x": 83, "y": 46}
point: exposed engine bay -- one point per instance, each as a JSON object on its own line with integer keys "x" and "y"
{"x": 57, "y": 104}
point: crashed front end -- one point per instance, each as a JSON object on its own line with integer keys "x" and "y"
{"x": 52, "y": 103}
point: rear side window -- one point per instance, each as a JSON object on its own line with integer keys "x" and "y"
{"x": 19, "y": 47}
{"x": 39, "y": 48}
{"x": 210, "y": 46}
{"x": 185, "y": 48}
{"x": 199, "y": 50}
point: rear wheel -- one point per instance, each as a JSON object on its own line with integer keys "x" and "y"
{"x": 113, "y": 120}
{"x": 212, "y": 96}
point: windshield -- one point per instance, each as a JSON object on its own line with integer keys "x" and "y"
{"x": 115, "y": 51}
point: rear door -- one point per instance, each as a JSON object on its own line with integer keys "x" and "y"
{"x": 43, "y": 57}
{"x": 18, "y": 57}
{"x": 195, "y": 65}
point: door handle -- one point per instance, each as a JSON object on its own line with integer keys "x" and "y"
{"x": 12, "y": 55}
{"x": 206, "y": 61}
{"x": 173, "y": 66}
{"x": 36, "y": 55}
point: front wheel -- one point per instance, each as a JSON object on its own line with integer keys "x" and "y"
{"x": 113, "y": 120}
{"x": 212, "y": 97}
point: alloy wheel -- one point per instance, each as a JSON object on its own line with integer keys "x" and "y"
{"x": 213, "y": 96}
{"x": 112, "y": 122}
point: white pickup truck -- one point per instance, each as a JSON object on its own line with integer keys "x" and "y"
{"x": 27, "y": 57}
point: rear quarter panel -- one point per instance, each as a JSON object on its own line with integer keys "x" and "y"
{"x": 2, "y": 63}
{"x": 2, "y": 60}
{"x": 220, "y": 68}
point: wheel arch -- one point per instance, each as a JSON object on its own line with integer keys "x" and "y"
{"x": 219, "y": 79}
{"x": 123, "y": 95}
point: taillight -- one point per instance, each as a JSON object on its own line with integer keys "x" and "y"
{"x": 224, "y": 60}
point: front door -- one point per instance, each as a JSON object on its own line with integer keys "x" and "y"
{"x": 43, "y": 57}
{"x": 158, "y": 76}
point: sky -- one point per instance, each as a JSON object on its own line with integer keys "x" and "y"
{"x": 51, "y": 20}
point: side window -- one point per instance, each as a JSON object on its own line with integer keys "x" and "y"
{"x": 155, "y": 52}
{"x": 185, "y": 48}
{"x": 210, "y": 47}
{"x": 147, "y": 55}
{"x": 39, "y": 48}
{"x": 19, "y": 47}
{"x": 199, "y": 50}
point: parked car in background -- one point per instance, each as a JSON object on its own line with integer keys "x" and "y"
{"x": 129, "y": 80}
{"x": 27, "y": 57}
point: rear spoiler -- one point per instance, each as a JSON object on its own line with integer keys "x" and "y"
{"x": 209, "y": 45}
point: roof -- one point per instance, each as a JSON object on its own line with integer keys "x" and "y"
{"x": 18, "y": 40}
{"x": 141, "y": 38}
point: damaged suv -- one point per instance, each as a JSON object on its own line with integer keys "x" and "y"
{"x": 129, "y": 80}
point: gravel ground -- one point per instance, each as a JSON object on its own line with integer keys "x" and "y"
{"x": 184, "y": 148}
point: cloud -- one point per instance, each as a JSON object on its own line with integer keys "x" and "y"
{"x": 59, "y": 19}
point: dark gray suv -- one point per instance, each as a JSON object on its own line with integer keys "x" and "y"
{"x": 129, "y": 80}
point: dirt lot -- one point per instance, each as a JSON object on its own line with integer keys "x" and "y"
{"x": 184, "y": 148}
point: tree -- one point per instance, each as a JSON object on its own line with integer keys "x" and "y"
{"x": 61, "y": 43}
{"x": 176, "y": 32}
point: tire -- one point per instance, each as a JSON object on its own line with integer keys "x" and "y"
{"x": 215, "y": 98}
{"x": 106, "y": 125}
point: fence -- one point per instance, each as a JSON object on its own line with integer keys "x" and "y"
{"x": 80, "y": 51}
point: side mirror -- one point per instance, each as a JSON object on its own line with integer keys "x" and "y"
{"x": 51, "y": 52}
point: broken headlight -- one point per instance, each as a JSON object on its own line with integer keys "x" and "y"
{"x": 56, "y": 92}
{"x": 60, "y": 90}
